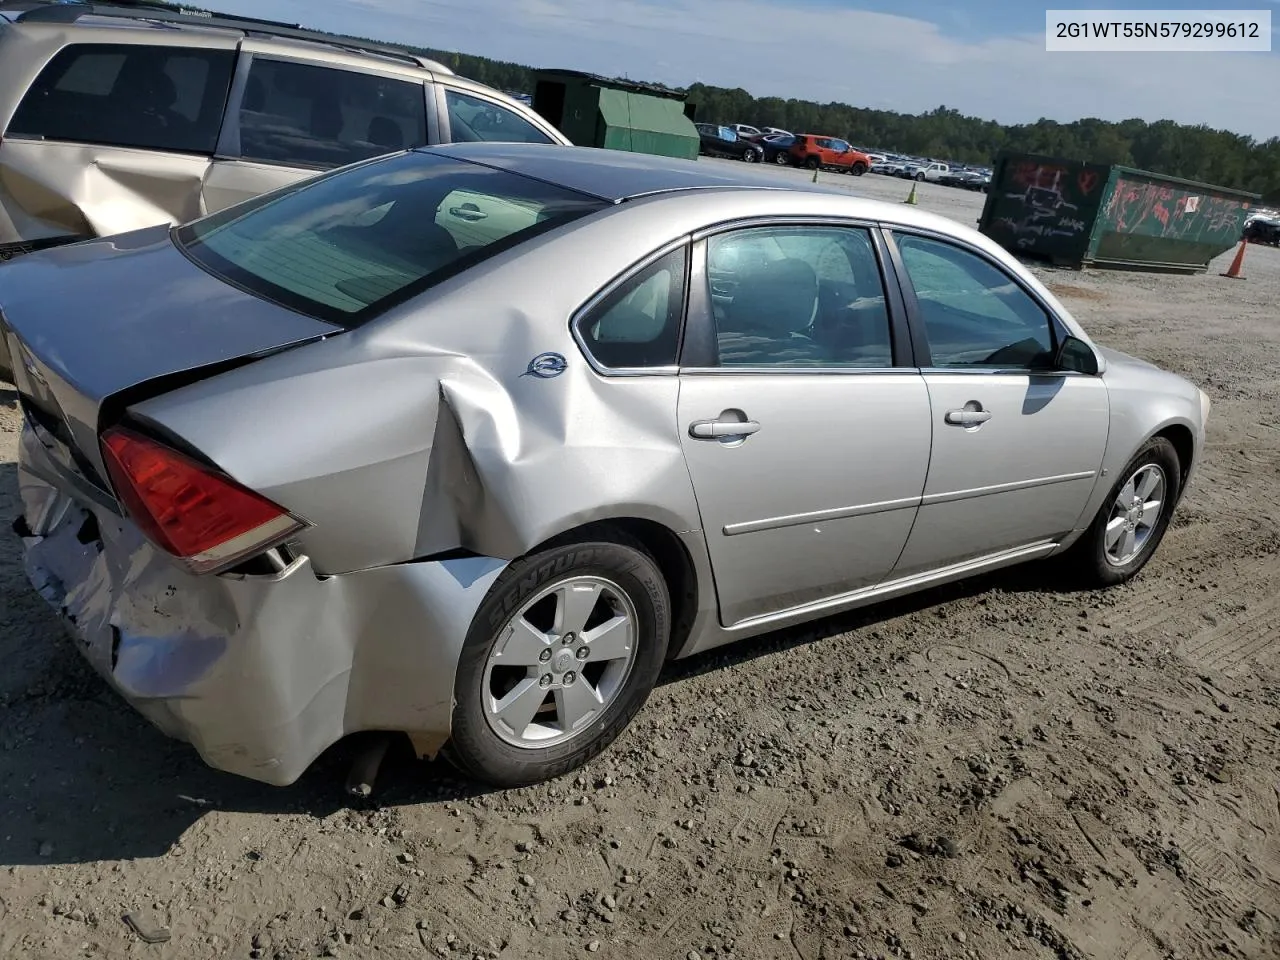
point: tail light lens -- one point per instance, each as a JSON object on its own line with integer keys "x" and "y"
{"x": 201, "y": 516}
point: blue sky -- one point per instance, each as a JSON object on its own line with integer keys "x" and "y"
{"x": 982, "y": 57}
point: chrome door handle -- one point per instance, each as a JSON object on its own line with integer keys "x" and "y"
{"x": 721, "y": 429}
{"x": 468, "y": 211}
{"x": 968, "y": 418}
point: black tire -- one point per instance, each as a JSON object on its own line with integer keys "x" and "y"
{"x": 751, "y": 156}
{"x": 1086, "y": 560}
{"x": 474, "y": 748}
{"x": 859, "y": 169}
{"x": 782, "y": 159}
{"x": 920, "y": 177}
{"x": 813, "y": 163}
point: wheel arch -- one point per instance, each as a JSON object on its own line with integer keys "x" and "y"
{"x": 1184, "y": 445}
{"x": 668, "y": 550}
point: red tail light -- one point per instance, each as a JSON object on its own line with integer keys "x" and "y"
{"x": 201, "y": 516}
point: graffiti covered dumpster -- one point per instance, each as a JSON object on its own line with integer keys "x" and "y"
{"x": 1087, "y": 214}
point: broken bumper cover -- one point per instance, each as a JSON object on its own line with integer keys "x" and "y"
{"x": 260, "y": 673}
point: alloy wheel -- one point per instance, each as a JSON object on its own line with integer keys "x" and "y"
{"x": 1135, "y": 514}
{"x": 559, "y": 662}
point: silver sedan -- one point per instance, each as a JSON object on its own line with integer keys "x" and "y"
{"x": 465, "y": 442}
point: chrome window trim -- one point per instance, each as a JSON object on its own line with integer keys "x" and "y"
{"x": 584, "y": 310}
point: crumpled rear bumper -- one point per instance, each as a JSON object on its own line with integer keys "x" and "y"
{"x": 261, "y": 673}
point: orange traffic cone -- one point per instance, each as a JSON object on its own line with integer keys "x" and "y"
{"x": 1237, "y": 264}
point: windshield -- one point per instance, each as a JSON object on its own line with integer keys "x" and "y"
{"x": 347, "y": 246}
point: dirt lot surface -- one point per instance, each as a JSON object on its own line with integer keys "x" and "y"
{"x": 997, "y": 769}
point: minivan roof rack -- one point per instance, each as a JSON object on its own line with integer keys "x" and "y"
{"x": 69, "y": 11}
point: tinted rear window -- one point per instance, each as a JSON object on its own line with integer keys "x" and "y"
{"x": 348, "y": 245}
{"x": 311, "y": 116}
{"x": 127, "y": 95}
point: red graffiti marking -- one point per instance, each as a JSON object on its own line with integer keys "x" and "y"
{"x": 1043, "y": 175}
{"x": 1087, "y": 180}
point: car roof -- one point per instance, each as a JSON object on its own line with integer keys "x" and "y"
{"x": 150, "y": 14}
{"x": 615, "y": 175}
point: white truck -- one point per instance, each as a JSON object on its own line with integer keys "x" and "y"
{"x": 927, "y": 171}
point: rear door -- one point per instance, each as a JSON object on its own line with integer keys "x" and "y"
{"x": 112, "y": 137}
{"x": 292, "y": 118}
{"x": 805, "y": 429}
{"x": 1017, "y": 445}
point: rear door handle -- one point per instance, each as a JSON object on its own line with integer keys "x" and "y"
{"x": 968, "y": 418}
{"x": 721, "y": 429}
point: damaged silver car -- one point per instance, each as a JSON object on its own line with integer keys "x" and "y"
{"x": 465, "y": 442}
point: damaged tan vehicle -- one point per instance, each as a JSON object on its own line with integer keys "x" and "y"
{"x": 466, "y": 440}
{"x": 119, "y": 116}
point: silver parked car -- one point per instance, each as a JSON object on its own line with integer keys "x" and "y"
{"x": 466, "y": 441}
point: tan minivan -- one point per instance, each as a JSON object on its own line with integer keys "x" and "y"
{"x": 117, "y": 117}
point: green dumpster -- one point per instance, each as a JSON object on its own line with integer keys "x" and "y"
{"x": 617, "y": 114}
{"x": 1079, "y": 214}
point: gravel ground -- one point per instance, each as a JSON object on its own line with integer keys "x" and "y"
{"x": 995, "y": 769}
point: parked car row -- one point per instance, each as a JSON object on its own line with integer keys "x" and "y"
{"x": 817, "y": 151}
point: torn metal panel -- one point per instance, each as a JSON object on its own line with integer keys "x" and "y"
{"x": 259, "y": 672}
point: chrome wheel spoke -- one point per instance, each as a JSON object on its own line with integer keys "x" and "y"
{"x": 1127, "y": 543}
{"x": 574, "y": 604}
{"x": 576, "y": 703}
{"x": 1147, "y": 483}
{"x": 611, "y": 640}
{"x": 523, "y": 645}
{"x": 1115, "y": 530}
{"x": 1150, "y": 513}
{"x": 518, "y": 708}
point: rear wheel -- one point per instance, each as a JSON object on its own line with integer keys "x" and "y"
{"x": 813, "y": 163}
{"x": 1132, "y": 520}
{"x": 560, "y": 656}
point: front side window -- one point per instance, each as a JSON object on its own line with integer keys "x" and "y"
{"x": 798, "y": 297}
{"x": 638, "y": 324}
{"x": 474, "y": 119}
{"x": 345, "y": 246}
{"x": 974, "y": 314}
{"x": 303, "y": 115}
{"x": 129, "y": 95}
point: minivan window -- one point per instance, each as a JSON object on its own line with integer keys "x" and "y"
{"x": 474, "y": 119}
{"x": 304, "y": 115}
{"x": 129, "y": 95}
{"x": 348, "y": 245}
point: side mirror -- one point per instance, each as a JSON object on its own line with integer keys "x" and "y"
{"x": 1077, "y": 356}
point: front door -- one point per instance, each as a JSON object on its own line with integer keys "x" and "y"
{"x": 291, "y": 120}
{"x": 1016, "y": 446}
{"x": 807, "y": 449}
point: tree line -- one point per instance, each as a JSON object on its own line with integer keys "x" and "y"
{"x": 1179, "y": 150}
{"x": 1173, "y": 149}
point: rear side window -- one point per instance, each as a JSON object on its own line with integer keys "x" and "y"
{"x": 638, "y": 324}
{"x": 303, "y": 115}
{"x": 475, "y": 119}
{"x": 128, "y": 95}
{"x": 345, "y": 246}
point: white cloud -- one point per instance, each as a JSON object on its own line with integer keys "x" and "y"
{"x": 819, "y": 53}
